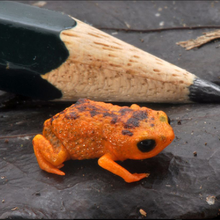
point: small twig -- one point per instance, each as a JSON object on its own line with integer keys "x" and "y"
{"x": 201, "y": 40}
{"x": 159, "y": 29}
{"x": 17, "y": 136}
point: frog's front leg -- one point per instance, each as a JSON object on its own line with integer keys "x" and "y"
{"x": 107, "y": 162}
{"x": 49, "y": 158}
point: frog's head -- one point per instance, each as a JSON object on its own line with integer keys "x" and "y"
{"x": 141, "y": 134}
{"x": 152, "y": 136}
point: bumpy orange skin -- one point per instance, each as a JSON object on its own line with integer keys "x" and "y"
{"x": 90, "y": 129}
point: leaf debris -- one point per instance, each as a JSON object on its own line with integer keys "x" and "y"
{"x": 201, "y": 40}
{"x": 142, "y": 212}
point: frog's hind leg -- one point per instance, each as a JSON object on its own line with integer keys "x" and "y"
{"x": 50, "y": 158}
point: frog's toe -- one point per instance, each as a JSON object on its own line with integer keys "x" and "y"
{"x": 140, "y": 176}
{"x": 56, "y": 171}
{"x": 136, "y": 177}
{"x": 45, "y": 165}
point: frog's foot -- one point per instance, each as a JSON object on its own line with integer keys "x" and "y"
{"x": 107, "y": 162}
{"x": 48, "y": 158}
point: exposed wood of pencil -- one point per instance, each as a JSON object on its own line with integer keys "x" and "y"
{"x": 102, "y": 67}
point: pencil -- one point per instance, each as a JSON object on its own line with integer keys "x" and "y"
{"x": 49, "y": 55}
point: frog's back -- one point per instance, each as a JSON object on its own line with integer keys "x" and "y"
{"x": 80, "y": 128}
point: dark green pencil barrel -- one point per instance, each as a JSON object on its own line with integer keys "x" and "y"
{"x": 30, "y": 46}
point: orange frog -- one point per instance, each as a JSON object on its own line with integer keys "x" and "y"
{"x": 90, "y": 129}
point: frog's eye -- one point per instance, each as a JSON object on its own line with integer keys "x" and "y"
{"x": 169, "y": 120}
{"x": 146, "y": 145}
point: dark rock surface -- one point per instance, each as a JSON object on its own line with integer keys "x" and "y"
{"x": 185, "y": 177}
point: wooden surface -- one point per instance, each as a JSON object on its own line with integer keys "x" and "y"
{"x": 184, "y": 178}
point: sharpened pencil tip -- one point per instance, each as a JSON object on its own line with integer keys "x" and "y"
{"x": 204, "y": 91}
